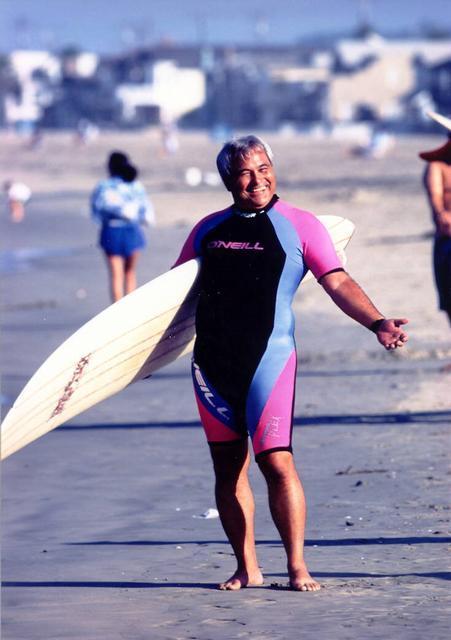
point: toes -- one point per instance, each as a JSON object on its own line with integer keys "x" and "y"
{"x": 231, "y": 585}
{"x": 240, "y": 581}
{"x": 305, "y": 586}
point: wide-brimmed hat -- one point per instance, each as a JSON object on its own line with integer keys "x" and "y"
{"x": 443, "y": 153}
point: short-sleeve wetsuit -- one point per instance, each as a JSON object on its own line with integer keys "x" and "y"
{"x": 244, "y": 364}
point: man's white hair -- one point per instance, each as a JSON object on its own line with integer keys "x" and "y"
{"x": 239, "y": 148}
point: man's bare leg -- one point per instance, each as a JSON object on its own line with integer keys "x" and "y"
{"x": 446, "y": 368}
{"x": 236, "y": 508}
{"x": 287, "y": 505}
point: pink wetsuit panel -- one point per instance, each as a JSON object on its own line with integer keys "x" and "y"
{"x": 318, "y": 249}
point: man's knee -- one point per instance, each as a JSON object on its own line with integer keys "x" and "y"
{"x": 277, "y": 466}
{"x": 229, "y": 460}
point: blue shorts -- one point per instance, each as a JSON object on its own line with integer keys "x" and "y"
{"x": 122, "y": 240}
{"x": 442, "y": 269}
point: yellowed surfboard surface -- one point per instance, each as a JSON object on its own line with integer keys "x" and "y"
{"x": 126, "y": 342}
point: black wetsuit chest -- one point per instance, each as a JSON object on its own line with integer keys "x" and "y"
{"x": 242, "y": 262}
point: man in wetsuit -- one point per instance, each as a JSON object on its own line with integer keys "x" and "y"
{"x": 437, "y": 182}
{"x": 254, "y": 255}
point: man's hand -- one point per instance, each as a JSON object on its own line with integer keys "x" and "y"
{"x": 444, "y": 223}
{"x": 390, "y": 334}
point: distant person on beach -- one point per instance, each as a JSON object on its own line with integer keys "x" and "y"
{"x": 254, "y": 256}
{"x": 379, "y": 144}
{"x": 437, "y": 182}
{"x": 120, "y": 205}
{"x": 169, "y": 137}
{"x": 86, "y": 132}
{"x": 17, "y": 195}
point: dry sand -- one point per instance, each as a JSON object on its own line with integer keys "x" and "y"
{"x": 98, "y": 535}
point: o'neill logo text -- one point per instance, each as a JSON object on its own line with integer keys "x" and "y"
{"x": 222, "y": 244}
{"x": 208, "y": 395}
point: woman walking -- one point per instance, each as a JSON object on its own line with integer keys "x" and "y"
{"x": 121, "y": 206}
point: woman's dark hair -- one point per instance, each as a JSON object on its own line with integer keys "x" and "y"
{"x": 129, "y": 173}
{"x": 119, "y": 166}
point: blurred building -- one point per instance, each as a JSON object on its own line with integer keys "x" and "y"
{"x": 84, "y": 93}
{"x": 377, "y": 80}
{"x": 433, "y": 92}
{"x": 37, "y": 74}
{"x": 366, "y": 79}
{"x": 167, "y": 93}
{"x": 266, "y": 87}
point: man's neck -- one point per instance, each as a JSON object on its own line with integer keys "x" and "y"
{"x": 251, "y": 213}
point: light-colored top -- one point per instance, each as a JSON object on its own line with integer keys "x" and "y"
{"x": 18, "y": 191}
{"x": 116, "y": 200}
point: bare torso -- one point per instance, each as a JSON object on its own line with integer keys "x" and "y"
{"x": 438, "y": 186}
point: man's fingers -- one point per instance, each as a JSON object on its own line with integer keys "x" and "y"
{"x": 390, "y": 335}
{"x": 396, "y": 340}
{"x": 396, "y": 343}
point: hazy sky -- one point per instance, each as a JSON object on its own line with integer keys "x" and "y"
{"x": 113, "y": 25}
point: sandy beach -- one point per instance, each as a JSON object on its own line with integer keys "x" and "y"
{"x": 103, "y": 533}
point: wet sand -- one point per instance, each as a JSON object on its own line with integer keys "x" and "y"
{"x": 99, "y": 538}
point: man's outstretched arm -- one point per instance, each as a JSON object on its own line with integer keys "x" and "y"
{"x": 353, "y": 301}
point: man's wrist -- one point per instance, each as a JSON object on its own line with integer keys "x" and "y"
{"x": 376, "y": 325}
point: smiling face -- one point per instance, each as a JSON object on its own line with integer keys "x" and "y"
{"x": 253, "y": 181}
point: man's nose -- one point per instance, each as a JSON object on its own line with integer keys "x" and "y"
{"x": 254, "y": 178}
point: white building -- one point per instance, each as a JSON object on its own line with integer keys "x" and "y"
{"x": 35, "y": 72}
{"x": 352, "y": 52}
{"x": 174, "y": 91}
{"x": 379, "y": 74}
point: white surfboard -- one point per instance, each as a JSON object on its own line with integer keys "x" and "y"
{"x": 445, "y": 122}
{"x": 126, "y": 342}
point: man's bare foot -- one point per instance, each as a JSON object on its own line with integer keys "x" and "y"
{"x": 301, "y": 580}
{"x": 241, "y": 579}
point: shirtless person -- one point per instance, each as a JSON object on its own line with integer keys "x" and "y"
{"x": 437, "y": 182}
{"x": 254, "y": 255}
